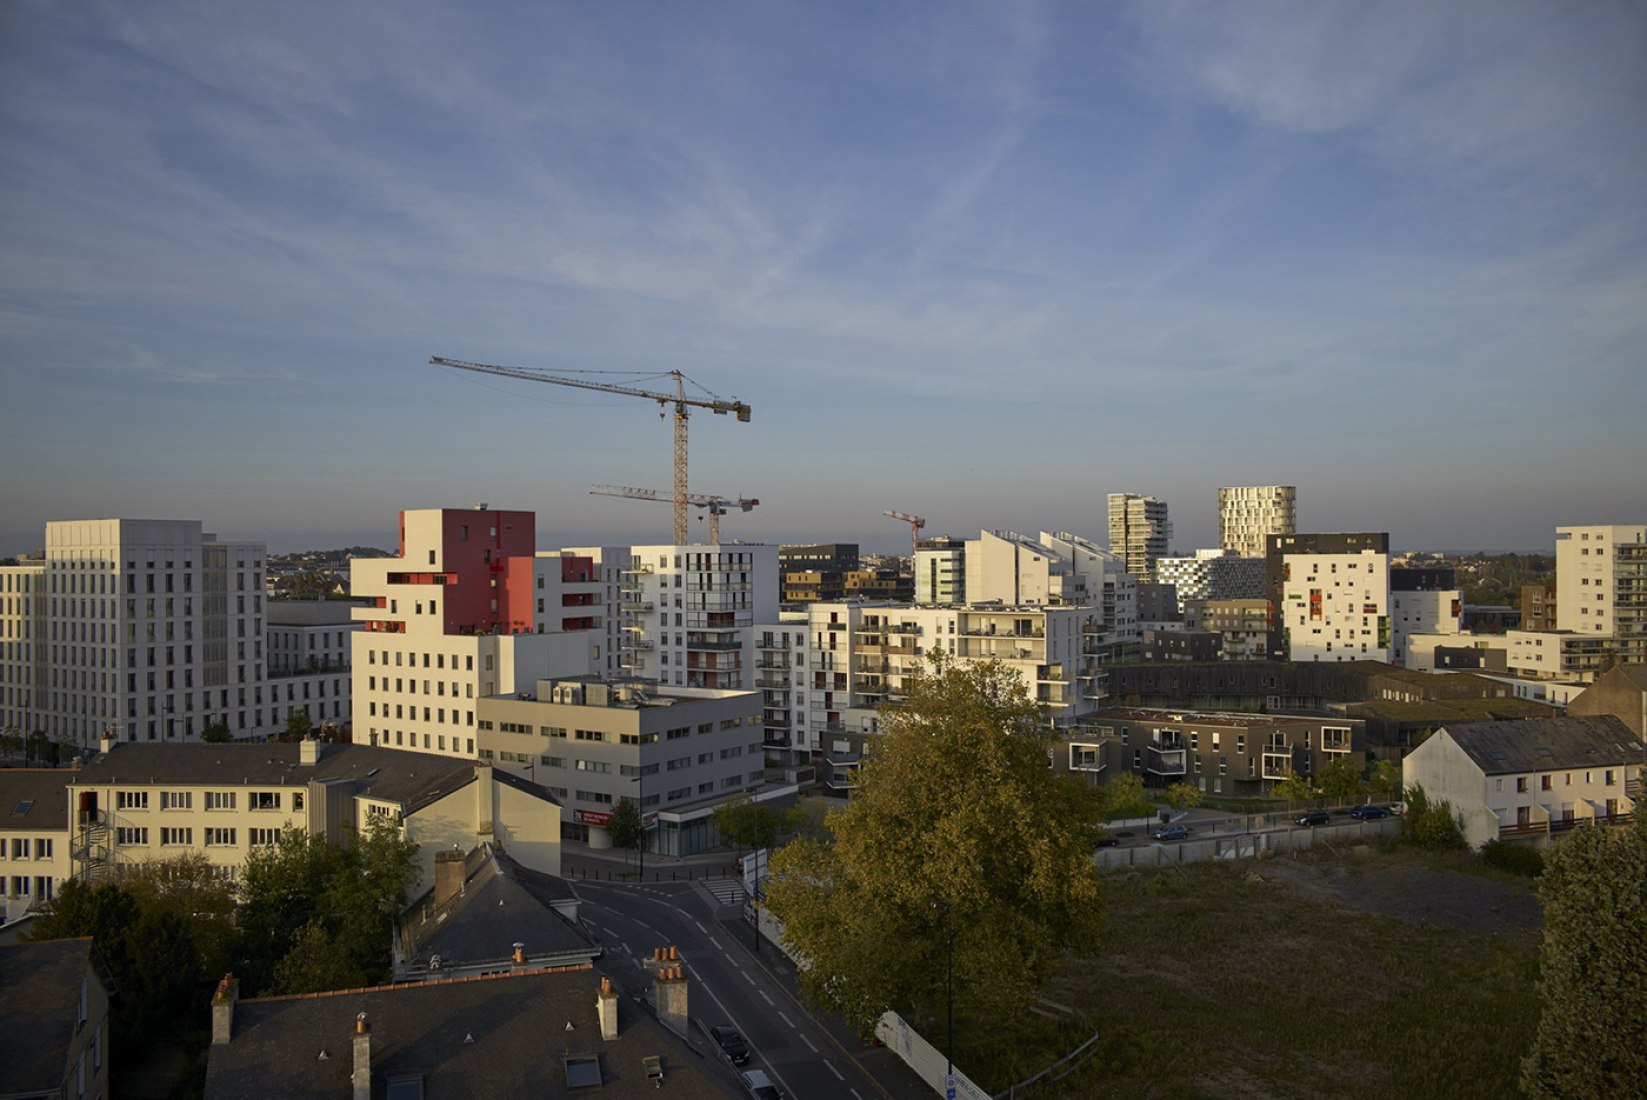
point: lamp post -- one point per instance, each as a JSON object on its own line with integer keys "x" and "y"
{"x": 949, "y": 997}
{"x": 640, "y": 804}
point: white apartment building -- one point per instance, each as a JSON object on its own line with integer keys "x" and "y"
{"x": 1249, "y": 514}
{"x": 940, "y": 570}
{"x": 1012, "y": 569}
{"x": 466, "y": 609}
{"x": 1423, "y": 612}
{"x": 149, "y": 629}
{"x": 1335, "y": 606}
{"x": 688, "y": 612}
{"x": 307, "y": 644}
{"x": 1213, "y": 575}
{"x": 1601, "y": 584}
{"x": 1138, "y": 531}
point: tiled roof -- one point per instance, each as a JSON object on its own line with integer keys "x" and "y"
{"x": 497, "y": 1036}
{"x": 1546, "y": 744}
{"x": 38, "y": 1012}
{"x": 495, "y": 911}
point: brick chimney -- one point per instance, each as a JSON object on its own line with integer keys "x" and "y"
{"x": 606, "y": 1008}
{"x": 669, "y": 991}
{"x": 223, "y": 1001}
{"x": 449, "y": 875}
{"x": 362, "y": 1077}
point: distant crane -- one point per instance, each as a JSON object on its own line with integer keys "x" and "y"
{"x": 915, "y": 525}
{"x": 678, "y": 399}
{"x": 716, "y": 505}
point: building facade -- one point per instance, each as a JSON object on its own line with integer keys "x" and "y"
{"x": 1601, "y": 585}
{"x": 812, "y": 573}
{"x": 1213, "y": 575}
{"x": 1329, "y": 597}
{"x": 1423, "y": 601}
{"x": 308, "y": 659}
{"x": 1139, "y": 532}
{"x": 150, "y": 629}
{"x": 940, "y": 570}
{"x": 1249, "y": 514}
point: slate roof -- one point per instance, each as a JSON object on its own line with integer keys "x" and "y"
{"x": 1547, "y": 744}
{"x": 39, "y": 1012}
{"x": 1638, "y": 673}
{"x": 497, "y": 1036}
{"x": 495, "y": 911}
{"x": 43, "y": 789}
{"x": 412, "y": 779}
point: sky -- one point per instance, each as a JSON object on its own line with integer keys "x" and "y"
{"x": 985, "y": 263}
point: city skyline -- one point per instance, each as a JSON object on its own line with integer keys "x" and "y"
{"x": 982, "y": 265}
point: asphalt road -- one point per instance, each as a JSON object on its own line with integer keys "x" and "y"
{"x": 733, "y": 984}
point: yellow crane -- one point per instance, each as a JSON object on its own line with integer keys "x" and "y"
{"x": 678, "y": 399}
{"x": 718, "y": 506}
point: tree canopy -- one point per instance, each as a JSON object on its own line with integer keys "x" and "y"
{"x": 1592, "y": 1035}
{"x": 627, "y": 827}
{"x": 1123, "y": 796}
{"x": 957, "y": 824}
{"x": 744, "y": 823}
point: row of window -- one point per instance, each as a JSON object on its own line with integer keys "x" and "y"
{"x": 211, "y": 800}
{"x": 21, "y": 847}
{"x": 403, "y": 711}
{"x": 137, "y": 836}
{"x": 381, "y": 657}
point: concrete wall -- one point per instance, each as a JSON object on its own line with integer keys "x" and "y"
{"x": 1243, "y": 845}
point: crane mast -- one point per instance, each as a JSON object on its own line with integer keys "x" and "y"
{"x": 678, "y": 399}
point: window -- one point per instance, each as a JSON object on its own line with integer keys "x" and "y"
{"x": 1085, "y": 758}
{"x": 1521, "y": 784}
{"x": 42, "y": 845}
{"x": 220, "y": 838}
{"x": 1545, "y": 782}
{"x": 220, "y": 800}
{"x": 176, "y": 800}
{"x": 259, "y": 838}
{"x": 264, "y": 800}
{"x": 131, "y": 800}
{"x": 131, "y": 837}
{"x": 593, "y": 766}
{"x": 590, "y": 735}
{"x": 595, "y": 796}
{"x": 176, "y": 837}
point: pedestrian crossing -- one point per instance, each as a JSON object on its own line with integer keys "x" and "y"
{"x": 727, "y": 891}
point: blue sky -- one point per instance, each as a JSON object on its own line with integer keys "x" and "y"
{"x": 986, "y": 263}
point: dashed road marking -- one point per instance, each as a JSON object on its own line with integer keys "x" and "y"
{"x": 839, "y": 1076}
{"x": 786, "y": 1019}
{"x": 767, "y": 999}
{"x": 808, "y": 1042}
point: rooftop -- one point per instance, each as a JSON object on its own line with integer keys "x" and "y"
{"x": 502, "y": 904}
{"x": 1501, "y": 748}
{"x": 33, "y": 799}
{"x": 39, "y": 1012}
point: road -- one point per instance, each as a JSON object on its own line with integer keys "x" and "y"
{"x": 808, "y": 1060}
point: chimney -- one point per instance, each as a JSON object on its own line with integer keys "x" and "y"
{"x": 105, "y": 743}
{"x": 449, "y": 868}
{"x": 669, "y": 995}
{"x": 362, "y": 1079}
{"x": 519, "y": 957}
{"x": 606, "y": 1008}
{"x": 228, "y": 992}
{"x": 308, "y": 752}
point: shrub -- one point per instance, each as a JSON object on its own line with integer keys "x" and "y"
{"x": 1514, "y": 858}
{"x": 1430, "y": 825}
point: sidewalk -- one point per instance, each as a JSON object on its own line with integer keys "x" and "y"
{"x": 581, "y": 861}
{"x": 892, "y": 1078}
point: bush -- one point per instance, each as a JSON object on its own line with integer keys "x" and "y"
{"x": 1430, "y": 825}
{"x": 1514, "y": 858}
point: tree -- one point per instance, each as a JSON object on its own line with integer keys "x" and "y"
{"x": 216, "y": 733}
{"x": 189, "y": 888}
{"x": 1182, "y": 796}
{"x": 744, "y": 823}
{"x": 1592, "y": 1035}
{"x": 1385, "y": 777}
{"x": 1340, "y": 780}
{"x": 627, "y": 828}
{"x": 958, "y": 829}
{"x": 1294, "y": 788}
{"x": 1123, "y": 796}
{"x": 1430, "y": 825}
{"x": 298, "y": 725}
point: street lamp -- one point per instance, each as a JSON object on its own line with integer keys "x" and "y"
{"x": 640, "y": 805}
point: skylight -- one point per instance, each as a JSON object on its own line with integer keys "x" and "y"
{"x": 23, "y": 807}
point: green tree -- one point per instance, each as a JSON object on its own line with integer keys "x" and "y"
{"x": 11, "y": 741}
{"x": 1182, "y": 796}
{"x": 298, "y": 726}
{"x": 1592, "y": 1035}
{"x": 216, "y": 733}
{"x": 1385, "y": 778}
{"x": 189, "y": 888}
{"x": 958, "y": 829}
{"x": 626, "y": 827}
{"x": 1294, "y": 788}
{"x": 1123, "y": 796}
{"x": 744, "y": 823}
{"x": 1340, "y": 780}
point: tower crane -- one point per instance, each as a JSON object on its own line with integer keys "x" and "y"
{"x": 678, "y": 399}
{"x": 717, "y": 506}
{"x": 915, "y": 525}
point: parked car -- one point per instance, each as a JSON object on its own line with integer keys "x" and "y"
{"x": 1313, "y": 817}
{"x": 1369, "y": 813}
{"x": 1108, "y": 840}
{"x": 1171, "y": 832}
{"x": 760, "y": 1086}
{"x": 731, "y": 1044}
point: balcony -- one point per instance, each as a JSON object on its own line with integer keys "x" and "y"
{"x": 638, "y": 570}
{"x": 713, "y": 644}
{"x": 635, "y": 605}
{"x": 1169, "y": 761}
{"x": 774, "y": 720}
{"x": 1276, "y": 765}
{"x": 779, "y": 682}
{"x": 637, "y": 643}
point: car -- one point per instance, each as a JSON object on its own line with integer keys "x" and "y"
{"x": 1171, "y": 832}
{"x": 1368, "y": 813}
{"x": 731, "y": 1044}
{"x": 1108, "y": 840}
{"x": 1313, "y": 817}
{"x": 760, "y": 1086}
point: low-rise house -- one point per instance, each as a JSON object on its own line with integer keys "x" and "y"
{"x": 1530, "y": 779}
{"x": 1620, "y": 691}
{"x": 34, "y": 838}
{"x": 141, "y": 801}
{"x": 54, "y": 1021}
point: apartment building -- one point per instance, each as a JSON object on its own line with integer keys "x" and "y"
{"x": 34, "y": 839}
{"x": 1213, "y": 575}
{"x": 1423, "y": 601}
{"x": 1138, "y": 531}
{"x": 138, "y": 802}
{"x": 55, "y": 1019}
{"x": 688, "y": 612}
{"x": 1249, "y": 514}
{"x": 308, "y": 659}
{"x": 818, "y": 572}
{"x": 150, "y": 629}
{"x": 1530, "y": 780}
{"x": 940, "y": 570}
{"x": 1601, "y": 585}
{"x": 1240, "y": 755}
{"x": 676, "y": 752}
{"x": 1329, "y": 597}
{"x": 1538, "y": 607}
{"x": 465, "y": 609}
{"x": 1010, "y": 568}
{"x": 1244, "y": 625}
